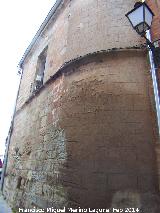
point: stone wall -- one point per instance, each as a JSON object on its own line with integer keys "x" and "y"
{"x": 72, "y": 34}
{"x": 87, "y": 139}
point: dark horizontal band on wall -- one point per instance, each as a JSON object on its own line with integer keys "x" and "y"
{"x": 68, "y": 66}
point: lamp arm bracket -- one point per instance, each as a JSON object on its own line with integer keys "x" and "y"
{"x": 155, "y": 51}
{"x": 150, "y": 44}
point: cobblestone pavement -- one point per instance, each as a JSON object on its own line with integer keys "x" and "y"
{"x": 4, "y": 208}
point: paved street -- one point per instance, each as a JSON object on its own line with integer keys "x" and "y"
{"x": 4, "y": 208}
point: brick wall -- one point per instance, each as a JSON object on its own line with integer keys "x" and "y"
{"x": 155, "y": 28}
{"x": 155, "y": 6}
{"x": 155, "y": 34}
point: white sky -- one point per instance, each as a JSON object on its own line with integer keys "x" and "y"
{"x": 19, "y": 21}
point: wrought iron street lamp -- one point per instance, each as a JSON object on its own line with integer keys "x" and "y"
{"x": 141, "y": 19}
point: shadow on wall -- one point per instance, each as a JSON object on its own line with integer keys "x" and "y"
{"x": 109, "y": 133}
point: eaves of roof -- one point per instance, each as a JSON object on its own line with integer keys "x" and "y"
{"x": 43, "y": 25}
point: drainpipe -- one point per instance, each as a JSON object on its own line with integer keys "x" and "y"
{"x": 8, "y": 140}
{"x": 154, "y": 80}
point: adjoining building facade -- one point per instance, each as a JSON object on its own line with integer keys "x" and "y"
{"x": 84, "y": 129}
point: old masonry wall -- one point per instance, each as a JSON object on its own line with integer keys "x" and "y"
{"x": 87, "y": 137}
{"x": 78, "y": 28}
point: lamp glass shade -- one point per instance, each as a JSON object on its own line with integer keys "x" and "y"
{"x": 148, "y": 16}
{"x": 136, "y": 17}
{"x": 141, "y": 18}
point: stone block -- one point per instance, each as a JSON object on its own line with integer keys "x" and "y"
{"x": 40, "y": 202}
{"x": 48, "y": 191}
